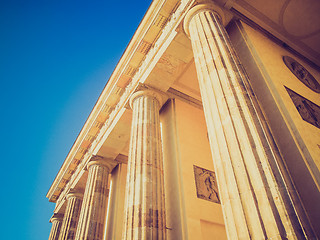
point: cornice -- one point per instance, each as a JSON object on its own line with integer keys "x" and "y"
{"x": 133, "y": 68}
{"x": 111, "y": 92}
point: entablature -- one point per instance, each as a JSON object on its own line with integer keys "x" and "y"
{"x": 107, "y": 106}
{"x": 158, "y": 54}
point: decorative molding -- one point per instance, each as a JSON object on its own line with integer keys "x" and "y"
{"x": 73, "y": 193}
{"x": 206, "y": 6}
{"x": 174, "y": 93}
{"x": 145, "y": 90}
{"x": 102, "y": 161}
{"x": 144, "y": 47}
{"x": 56, "y": 217}
{"x": 161, "y": 21}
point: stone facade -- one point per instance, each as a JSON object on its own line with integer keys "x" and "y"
{"x": 213, "y": 122}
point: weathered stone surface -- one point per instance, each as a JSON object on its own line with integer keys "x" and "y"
{"x": 206, "y": 184}
{"x": 56, "y": 221}
{"x": 145, "y": 210}
{"x": 71, "y": 216}
{"x": 254, "y": 198}
{"x": 94, "y": 206}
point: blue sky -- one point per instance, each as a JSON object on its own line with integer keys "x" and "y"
{"x": 55, "y": 58}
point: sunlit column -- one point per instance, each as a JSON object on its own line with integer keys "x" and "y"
{"x": 116, "y": 202}
{"x": 254, "y": 198}
{"x": 56, "y": 221}
{"x": 71, "y": 216}
{"x": 94, "y": 206}
{"x": 144, "y": 207}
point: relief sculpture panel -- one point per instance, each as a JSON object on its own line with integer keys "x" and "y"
{"x": 206, "y": 184}
{"x": 302, "y": 74}
{"x": 309, "y": 111}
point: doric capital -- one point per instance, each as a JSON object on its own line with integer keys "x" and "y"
{"x": 144, "y": 93}
{"x": 74, "y": 194}
{"x": 144, "y": 90}
{"x": 203, "y": 7}
{"x": 102, "y": 161}
{"x": 56, "y": 217}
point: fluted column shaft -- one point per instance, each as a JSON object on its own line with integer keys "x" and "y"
{"x": 71, "y": 216}
{"x": 94, "y": 206}
{"x": 56, "y": 221}
{"x": 255, "y": 200}
{"x": 144, "y": 207}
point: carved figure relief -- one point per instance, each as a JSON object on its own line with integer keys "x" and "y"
{"x": 302, "y": 74}
{"x": 206, "y": 184}
{"x": 309, "y": 111}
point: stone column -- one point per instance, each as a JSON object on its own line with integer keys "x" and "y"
{"x": 71, "y": 216}
{"x": 56, "y": 221}
{"x": 144, "y": 207}
{"x": 255, "y": 200}
{"x": 94, "y": 206}
{"x": 116, "y": 202}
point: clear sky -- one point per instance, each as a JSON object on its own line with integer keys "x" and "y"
{"x": 55, "y": 58}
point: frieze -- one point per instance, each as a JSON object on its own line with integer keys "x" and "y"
{"x": 206, "y": 184}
